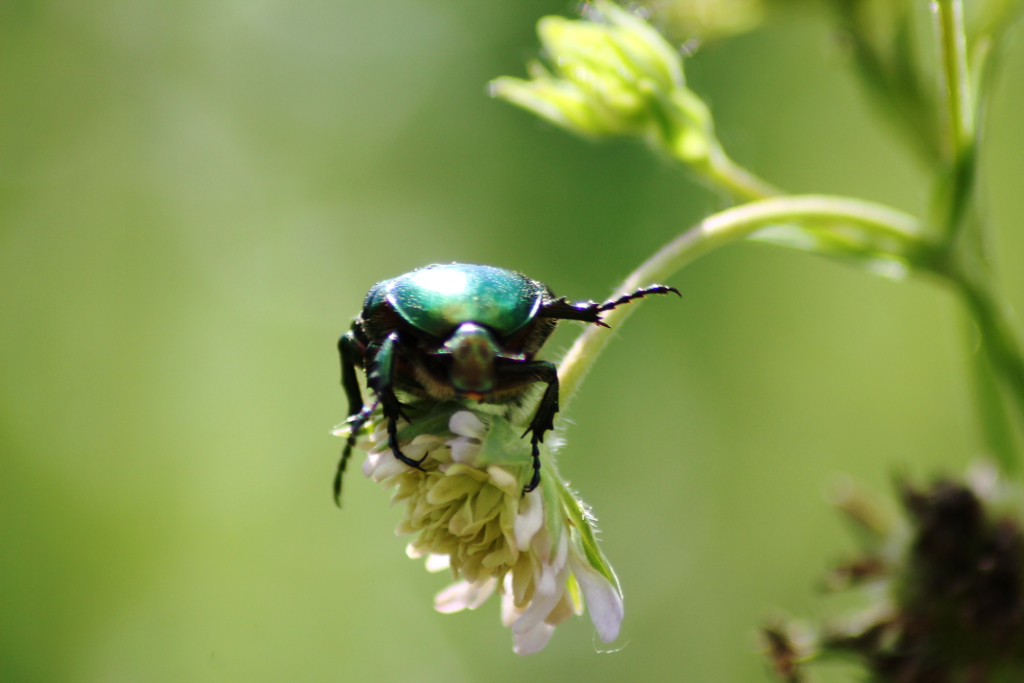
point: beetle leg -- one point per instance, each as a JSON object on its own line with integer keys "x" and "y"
{"x": 381, "y": 379}
{"x": 544, "y": 419}
{"x": 590, "y": 311}
{"x": 351, "y": 353}
{"x": 355, "y": 423}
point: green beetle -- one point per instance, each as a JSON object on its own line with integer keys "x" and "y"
{"x": 458, "y": 330}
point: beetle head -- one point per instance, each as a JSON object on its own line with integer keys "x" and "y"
{"x": 473, "y": 350}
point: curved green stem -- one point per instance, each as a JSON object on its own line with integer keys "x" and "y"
{"x": 688, "y": 135}
{"x": 725, "y": 228}
{"x": 738, "y": 181}
{"x": 1000, "y": 346}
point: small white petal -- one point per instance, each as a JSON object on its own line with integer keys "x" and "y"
{"x": 562, "y": 611}
{"x": 484, "y": 592}
{"x": 529, "y": 519}
{"x": 603, "y": 599}
{"x": 465, "y": 423}
{"x": 412, "y": 553}
{"x": 563, "y": 550}
{"x": 437, "y": 563}
{"x": 509, "y": 611}
{"x": 454, "y": 598}
{"x": 532, "y": 641}
{"x": 420, "y": 446}
{"x": 546, "y": 594}
{"x": 464, "y": 450}
{"x": 463, "y": 595}
{"x": 502, "y": 478}
{"x": 372, "y": 461}
{"x": 541, "y": 545}
{"x": 381, "y": 465}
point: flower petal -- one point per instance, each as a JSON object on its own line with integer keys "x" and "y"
{"x": 503, "y": 479}
{"x": 546, "y": 594}
{"x": 452, "y": 488}
{"x": 529, "y": 519}
{"x": 463, "y": 595}
{"x": 380, "y": 465}
{"x": 420, "y": 446}
{"x": 464, "y": 450}
{"x": 562, "y": 553}
{"x": 562, "y": 611}
{"x": 603, "y": 599}
{"x": 509, "y": 611}
{"x": 465, "y": 423}
{"x": 437, "y": 563}
{"x": 532, "y": 641}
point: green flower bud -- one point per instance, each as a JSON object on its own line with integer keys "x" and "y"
{"x": 709, "y": 19}
{"x": 610, "y": 74}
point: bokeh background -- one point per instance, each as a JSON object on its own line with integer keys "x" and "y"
{"x": 196, "y": 195}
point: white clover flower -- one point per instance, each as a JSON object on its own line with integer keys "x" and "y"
{"x": 469, "y": 515}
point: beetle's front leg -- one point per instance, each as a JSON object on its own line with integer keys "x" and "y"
{"x": 544, "y": 419}
{"x": 381, "y": 378}
{"x": 355, "y": 423}
{"x": 351, "y": 353}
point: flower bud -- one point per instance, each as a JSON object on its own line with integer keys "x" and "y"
{"x": 610, "y": 74}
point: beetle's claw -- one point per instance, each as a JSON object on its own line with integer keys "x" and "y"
{"x": 535, "y": 479}
{"x": 415, "y": 464}
{"x": 396, "y": 451}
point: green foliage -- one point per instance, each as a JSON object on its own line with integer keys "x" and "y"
{"x": 195, "y": 197}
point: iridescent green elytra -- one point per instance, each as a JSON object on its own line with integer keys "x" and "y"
{"x": 437, "y": 299}
{"x": 458, "y": 331}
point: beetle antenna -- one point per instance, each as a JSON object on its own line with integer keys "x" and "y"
{"x": 638, "y": 294}
{"x": 590, "y": 311}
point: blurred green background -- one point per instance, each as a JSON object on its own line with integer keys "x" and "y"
{"x": 194, "y": 198}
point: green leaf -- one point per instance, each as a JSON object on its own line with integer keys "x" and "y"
{"x": 581, "y": 518}
{"x": 853, "y": 248}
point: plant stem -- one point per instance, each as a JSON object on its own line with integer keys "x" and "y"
{"x": 956, "y": 84}
{"x": 999, "y": 343}
{"x": 956, "y": 186}
{"x": 719, "y": 230}
{"x": 996, "y": 423}
{"x": 999, "y": 372}
{"x": 741, "y": 183}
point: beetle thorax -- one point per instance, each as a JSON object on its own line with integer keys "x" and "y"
{"x": 473, "y": 350}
